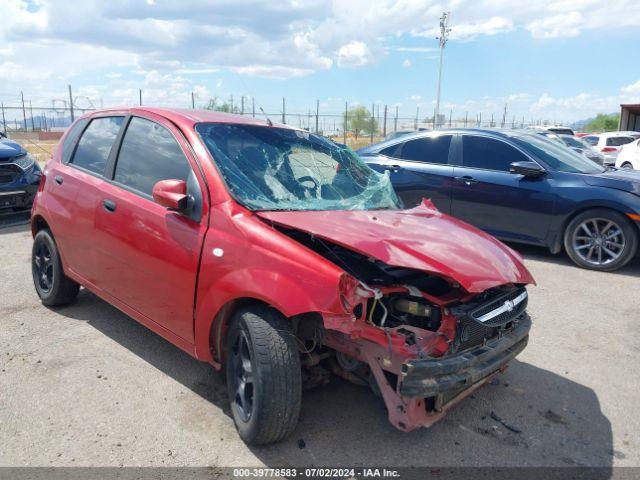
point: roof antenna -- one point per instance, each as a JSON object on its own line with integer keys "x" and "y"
{"x": 269, "y": 122}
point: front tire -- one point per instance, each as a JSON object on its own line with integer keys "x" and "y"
{"x": 52, "y": 285}
{"x": 601, "y": 239}
{"x": 263, "y": 375}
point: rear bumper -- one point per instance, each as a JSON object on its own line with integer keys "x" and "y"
{"x": 429, "y": 378}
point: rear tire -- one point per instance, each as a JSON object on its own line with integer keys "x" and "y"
{"x": 627, "y": 165}
{"x": 52, "y": 285}
{"x": 263, "y": 375}
{"x": 601, "y": 239}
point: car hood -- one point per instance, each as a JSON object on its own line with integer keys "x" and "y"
{"x": 9, "y": 149}
{"x": 421, "y": 238}
{"x": 625, "y": 180}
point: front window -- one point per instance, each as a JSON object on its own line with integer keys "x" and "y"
{"x": 271, "y": 168}
{"x": 574, "y": 142}
{"x": 557, "y": 157}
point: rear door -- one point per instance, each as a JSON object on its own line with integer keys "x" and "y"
{"x": 485, "y": 194}
{"x": 419, "y": 168}
{"x": 149, "y": 256}
{"x": 74, "y": 190}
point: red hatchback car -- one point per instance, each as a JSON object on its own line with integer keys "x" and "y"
{"x": 279, "y": 255}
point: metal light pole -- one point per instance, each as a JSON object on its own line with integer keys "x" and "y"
{"x": 444, "y": 33}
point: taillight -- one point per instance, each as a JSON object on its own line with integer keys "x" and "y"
{"x": 609, "y": 149}
{"x": 43, "y": 178}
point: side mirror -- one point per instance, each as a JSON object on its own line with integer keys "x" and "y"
{"x": 171, "y": 194}
{"x": 527, "y": 169}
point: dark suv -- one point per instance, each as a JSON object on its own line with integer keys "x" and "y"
{"x": 19, "y": 176}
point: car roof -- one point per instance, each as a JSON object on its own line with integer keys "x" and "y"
{"x": 187, "y": 118}
{"x": 493, "y": 132}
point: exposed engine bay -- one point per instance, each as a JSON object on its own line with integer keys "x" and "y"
{"x": 403, "y": 315}
{"x": 394, "y": 308}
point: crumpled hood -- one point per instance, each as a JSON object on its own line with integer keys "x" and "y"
{"x": 421, "y": 238}
{"x": 9, "y": 149}
{"x": 625, "y": 180}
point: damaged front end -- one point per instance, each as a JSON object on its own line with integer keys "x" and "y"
{"x": 420, "y": 340}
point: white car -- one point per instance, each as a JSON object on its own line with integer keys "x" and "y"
{"x": 557, "y": 129}
{"x": 629, "y": 156}
{"x": 608, "y": 144}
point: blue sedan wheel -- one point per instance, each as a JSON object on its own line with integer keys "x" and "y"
{"x": 601, "y": 239}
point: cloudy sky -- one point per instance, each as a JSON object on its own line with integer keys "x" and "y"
{"x": 558, "y": 60}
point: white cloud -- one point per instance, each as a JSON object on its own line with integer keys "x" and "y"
{"x": 406, "y": 63}
{"x": 415, "y": 98}
{"x": 632, "y": 90}
{"x": 354, "y": 54}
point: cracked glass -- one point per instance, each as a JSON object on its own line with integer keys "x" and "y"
{"x": 274, "y": 168}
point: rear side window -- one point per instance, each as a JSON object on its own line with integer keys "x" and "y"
{"x": 591, "y": 140}
{"x": 96, "y": 142}
{"x": 617, "y": 141}
{"x": 428, "y": 149}
{"x": 71, "y": 138}
{"x": 149, "y": 153}
{"x": 483, "y": 152}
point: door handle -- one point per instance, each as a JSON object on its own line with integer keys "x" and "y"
{"x": 59, "y": 179}
{"x": 109, "y": 205}
{"x": 466, "y": 180}
{"x": 395, "y": 168}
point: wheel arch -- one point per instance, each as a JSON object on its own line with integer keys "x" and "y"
{"x": 558, "y": 245}
{"x": 38, "y": 222}
{"x": 219, "y": 326}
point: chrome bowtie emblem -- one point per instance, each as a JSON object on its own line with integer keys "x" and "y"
{"x": 509, "y": 305}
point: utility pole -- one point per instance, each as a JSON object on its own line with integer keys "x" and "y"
{"x": 444, "y": 34}
{"x": 33, "y": 126}
{"x": 193, "y": 101}
{"x": 284, "y": 114}
{"x": 384, "y": 128}
{"x": 317, "y": 114}
{"x": 24, "y": 112}
{"x": 242, "y": 105}
{"x": 395, "y": 121}
{"x": 4, "y": 121}
{"x": 140, "y": 96}
{"x": 253, "y": 107}
{"x": 70, "y": 105}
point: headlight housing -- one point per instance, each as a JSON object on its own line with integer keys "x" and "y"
{"x": 25, "y": 161}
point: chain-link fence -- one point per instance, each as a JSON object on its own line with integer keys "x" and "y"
{"x": 40, "y": 123}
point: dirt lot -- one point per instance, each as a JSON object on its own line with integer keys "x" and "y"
{"x": 86, "y": 385}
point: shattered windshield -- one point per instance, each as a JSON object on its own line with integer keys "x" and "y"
{"x": 271, "y": 168}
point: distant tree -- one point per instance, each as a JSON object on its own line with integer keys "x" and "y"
{"x": 359, "y": 120}
{"x": 219, "y": 105}
{"x": 603, "y": 123}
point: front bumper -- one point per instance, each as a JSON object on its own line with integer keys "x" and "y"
{"x": 457, "y": 372}
{"x": 19, "y": 194}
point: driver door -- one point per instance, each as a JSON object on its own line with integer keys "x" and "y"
{"x": 487, "y": 195}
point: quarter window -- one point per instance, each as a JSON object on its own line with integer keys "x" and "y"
{"x": 96, "y": 142}
{"x": 149, "y": 153}
{"x": 487, "y": 153}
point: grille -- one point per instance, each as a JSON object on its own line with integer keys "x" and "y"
{"x": 8, "y": 173}
{"x": 472, "y": 332}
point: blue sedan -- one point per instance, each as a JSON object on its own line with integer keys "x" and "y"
{"x": 19, "y": 177}
{"x": 520, "y": 187}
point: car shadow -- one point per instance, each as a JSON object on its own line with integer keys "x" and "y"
{"x": 527, "y": 417}
{"x": 13, "y": 222}
{"x": 542, "y": 254}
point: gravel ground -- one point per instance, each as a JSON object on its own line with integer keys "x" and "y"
{"x": 85, "y": 385}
